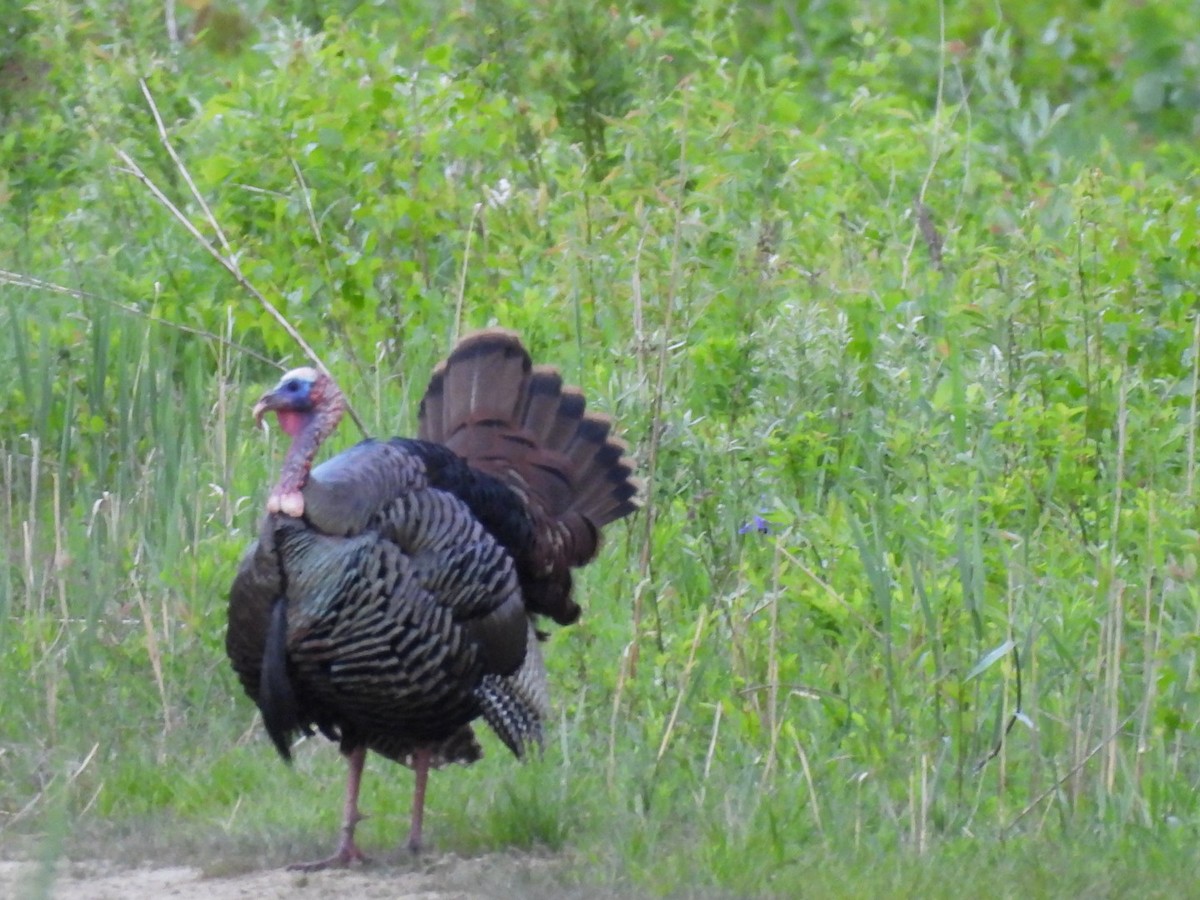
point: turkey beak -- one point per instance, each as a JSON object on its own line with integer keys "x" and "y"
{"x": 262, "y": 407}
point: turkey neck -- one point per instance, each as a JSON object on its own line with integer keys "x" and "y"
{"x": 328, "y": 406}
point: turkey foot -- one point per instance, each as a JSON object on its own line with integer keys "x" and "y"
{"x": 347, "y": 853}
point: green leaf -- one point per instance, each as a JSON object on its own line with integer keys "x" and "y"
{"x": 990, "y": 659}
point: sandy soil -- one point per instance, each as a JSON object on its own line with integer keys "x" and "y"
{"x": 447, "y": 878}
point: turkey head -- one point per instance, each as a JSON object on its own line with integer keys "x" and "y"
{"x": 308, "y": 405}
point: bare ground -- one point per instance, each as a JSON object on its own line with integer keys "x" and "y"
{"x": 444, "y": 878}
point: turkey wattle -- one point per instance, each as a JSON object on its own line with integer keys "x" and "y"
{"x": 390, "y": 597}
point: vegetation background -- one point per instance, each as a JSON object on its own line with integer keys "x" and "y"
{"x": 897, "y": 301}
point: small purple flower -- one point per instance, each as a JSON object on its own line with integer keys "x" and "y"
{"x": 758, "y": 524}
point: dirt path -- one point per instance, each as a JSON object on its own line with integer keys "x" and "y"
{"x": 449, "y": 878}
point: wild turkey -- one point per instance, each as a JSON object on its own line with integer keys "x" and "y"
{"x": 391, "y": 595}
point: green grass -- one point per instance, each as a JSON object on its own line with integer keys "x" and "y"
{"x": 929, "y": 309}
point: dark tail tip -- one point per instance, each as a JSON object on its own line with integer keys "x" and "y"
{"x": 276, "y": 697}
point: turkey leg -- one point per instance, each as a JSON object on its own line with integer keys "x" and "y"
{"x": 421, "y": 760}
{"x": 347, "y": 852}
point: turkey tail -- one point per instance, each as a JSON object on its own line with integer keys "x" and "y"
{"x": 518, "y": 422}
{"x": 491, "y": 406}
{"x": 477, "y": 387}
{"x": 276, "y": 697}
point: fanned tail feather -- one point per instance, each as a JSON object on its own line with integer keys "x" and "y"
{"x": 479, "y": 384}
{"x": 541, "y": 403}
{"x": 489, "y": 404}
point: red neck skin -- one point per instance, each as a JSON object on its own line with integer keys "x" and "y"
{"x": 308, "y": 430}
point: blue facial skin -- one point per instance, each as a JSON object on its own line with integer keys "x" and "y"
{"x": 295, "y": 391}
